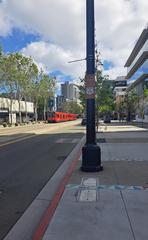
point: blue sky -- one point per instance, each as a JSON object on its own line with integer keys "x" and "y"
{"x": 107, "y": 65}
{"x": 54, "y": 32}
{"x": 17, "y": 40}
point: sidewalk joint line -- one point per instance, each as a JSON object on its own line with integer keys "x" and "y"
{"x": 130, "y": 222}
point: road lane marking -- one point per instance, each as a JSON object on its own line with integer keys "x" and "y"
{"x": 17, "y": 140}
{"x": 41, "y": 131}
{"x": 24, "y": 138}
{"x": 107, "y": 187}
{"x": 67, "y": 140}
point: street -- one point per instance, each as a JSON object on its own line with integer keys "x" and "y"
{"x": 29, "y": 156}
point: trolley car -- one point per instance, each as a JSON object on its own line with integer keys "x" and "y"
{"x": 54, "y": 117}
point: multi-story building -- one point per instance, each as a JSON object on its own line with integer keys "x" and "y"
{"x": 59, "y": 103}
{"x": 137, "y": 74}
{"x": 69, "y": 91}
{"x": 5, "y": 106}
{"x": 120, "y": 86}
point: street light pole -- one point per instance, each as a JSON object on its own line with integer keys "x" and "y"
{"x": 91, "y": 153}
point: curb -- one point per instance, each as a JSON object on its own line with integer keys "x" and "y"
{"x": 27, "y": 225}
{"x": 39, "y": 233}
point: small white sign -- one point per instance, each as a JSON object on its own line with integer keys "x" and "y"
{"x": 90, "y": 90}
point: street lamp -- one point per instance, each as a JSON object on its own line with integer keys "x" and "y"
{"x": 91, "y": 152}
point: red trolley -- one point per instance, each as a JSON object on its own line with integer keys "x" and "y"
{"x": 54, "y": 117}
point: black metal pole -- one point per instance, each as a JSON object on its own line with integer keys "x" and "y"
{"x": 91, "y": 153}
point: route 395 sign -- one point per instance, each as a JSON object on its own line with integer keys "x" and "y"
{"x": 90, "y": 86}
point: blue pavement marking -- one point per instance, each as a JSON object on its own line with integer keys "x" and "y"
{"x": 73, "y": 186}
{"x": 107, "y": 187}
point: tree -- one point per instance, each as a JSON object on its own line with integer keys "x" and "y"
{"x": 35, "y": 91}
{"x": 47, "y": 89}
{"x": 104, "y": 95}
{"x": 16, "y": 74}
{"x": 121, "y": 108}
{"x": 72, "y": 107}
{"x": 82, "y": 97}
{"x": 145, "y": 91}
{"x": 21, "y": 79}
{"x": 1, "y": 67}
{"x": 23, "y": 67}
{"x": 30, "y": 76}
{"x": 8, "y": 74}
{"x": 131, "y": 100}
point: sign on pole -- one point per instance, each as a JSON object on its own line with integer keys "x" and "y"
{"x": 90, "y": 86}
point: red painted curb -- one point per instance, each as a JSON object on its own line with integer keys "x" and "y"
{"x": 54, "y": 203}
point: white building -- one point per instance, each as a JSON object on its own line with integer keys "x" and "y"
{"x": 137, "y": 73}
{"x": 5, "y": 105}
{"x": 120, "y": 86}
{"x": 69, "y": 91}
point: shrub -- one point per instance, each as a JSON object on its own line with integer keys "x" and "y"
{"x": 4, "y": 124}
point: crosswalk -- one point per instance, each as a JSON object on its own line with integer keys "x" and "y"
{"x": 67, "y": 140}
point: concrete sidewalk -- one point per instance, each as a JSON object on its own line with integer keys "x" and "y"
{"x": 107, "y": 205}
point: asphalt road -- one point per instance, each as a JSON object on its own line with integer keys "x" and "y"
{"x": 27, "y": 165}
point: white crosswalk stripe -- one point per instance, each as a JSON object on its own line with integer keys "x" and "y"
{"x": 67, "y": 140}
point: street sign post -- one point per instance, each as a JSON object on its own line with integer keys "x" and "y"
{"x": 91, "y": 153}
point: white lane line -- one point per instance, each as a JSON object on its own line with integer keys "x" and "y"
{"x": 67, "y": 140}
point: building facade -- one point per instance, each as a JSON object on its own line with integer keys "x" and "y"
{"x": 5, "y": 105}
{"x": 137, "y": 75}
{"x": 69, "y": 91}
{"x": 119, "y": 90}
{"x": 120, "y": 86}
{"x": 59, "y": 103}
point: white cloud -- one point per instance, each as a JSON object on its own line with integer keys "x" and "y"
{"x": 5, "y": 24}
{"x": 116, "y": 71}
{"x": 52, "y": 58}
{"x": 61, "y": 22}
{"x": 62, "y": 27}
{"x": 122, "y": 23}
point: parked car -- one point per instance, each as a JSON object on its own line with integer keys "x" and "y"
{"x": 107, "y": 119}
{"x": 83, "y": 122}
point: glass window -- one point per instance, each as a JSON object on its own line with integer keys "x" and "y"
{"x": 142, "y": 70}
{"x": 139, "y": 89}
{"x": 143, "y": 49}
